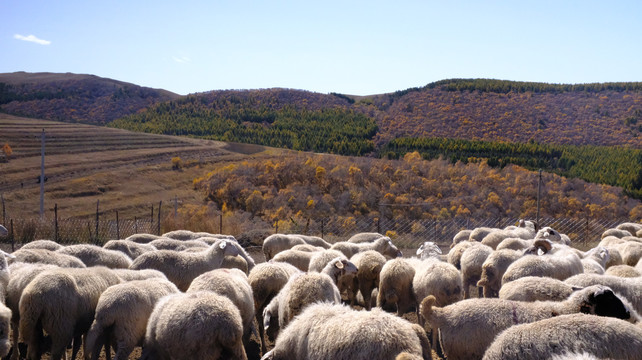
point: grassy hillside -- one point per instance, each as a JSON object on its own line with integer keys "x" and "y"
{"x": 126, "y": 171}
{"x": 74, "y": 98}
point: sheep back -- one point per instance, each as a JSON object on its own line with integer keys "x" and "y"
{"x": 599, "y": 336}
{"x": 395, "y": 286}
{"x": 198, "y": 325}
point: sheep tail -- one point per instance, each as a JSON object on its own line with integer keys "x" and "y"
{"x": 427, "y": 305}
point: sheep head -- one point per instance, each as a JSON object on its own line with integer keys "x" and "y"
{"x": 227, "y": 247}
{"x": 601, "y": 300}
{"x": 428, "y": 249}
{"x": 345, "y": 266}
{"x": 550, "y": 234}
{"x": 389, "y": 249}
{"x": 540, "y": 247}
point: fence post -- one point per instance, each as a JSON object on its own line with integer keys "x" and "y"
{"x": 97, "y": 220}
{"x": 586, "y": 238}
{"x": 220, "y": 223}
{"x": 322, "y": 233}
{"x": 379, "y": 225}
{"x": 4, "y": 214}
{"x": 117, "y": 226}
{"x": 152, "y": 220}
{"x": 13, "y": 241}
{"x": 56, "y": 222}
{"x": 136, "y": 224}
{"x": 276, "y": 227}
{"x": 159, "y": 214}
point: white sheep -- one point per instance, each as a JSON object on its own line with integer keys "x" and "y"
{"x": 364, "y": 237}
{"x": 5, "y": 329}
{"x": 142, "y": 238}
{"x": 454, "y": 255}
{"x": 182, "y": 267}
{"x": 369, "y": 264}
{"x": 315, "y": 241}
{"x": 307, "y": 288}
{"x": 233, "y": 284}
{"x": 130, "y": 248}
{"x": 559, "y": 263}
{"x": 536, "y": 288}
{"x": 5, "y": 274}
{"x": 631, "y": 227}
{"x": 276, "y": 243}
{"x": 468, "y": 327}
{"x": 429, "y": 250}
{"x": 143, "y": 274}
{"x": 307, "y": 247}
{"x": 472, "y": 260}
{"x": 479, "y": 233}
{"x": 493, "y": 270}
{"x": 61, "y": 302}
{"x": 594, "y": 260}
{"x": 42, "y": 244}
{"x": 44, "y": 256}
{"x": 629, "y": 288}
{"x": 121, "y": 316}
{"x": 326, "y": 331}
{"x": 21, "y": 276}
{"x": 266, "y": 280}
{"x": 618, "y": 233}
{"x": 463, "y": 235}
{"x": 198, "y": 325}
{"x": 395, "y": 286}
{"x": 495, "y": 237}
{"x": 177, "y": 245}
{"x": 623, "y": 271}
{"x": 383, "y": 245}
{"x": 605, "y": 338}
{"x": 181, "y": 235}
{"x": 320, "y": 259}
{"x": 297, "y": 258}
{"x": 631, "y": 251}
{"x": 93, "y": 255}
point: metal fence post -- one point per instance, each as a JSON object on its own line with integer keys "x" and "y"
{"x": 97, "y": 221}
{"x": 220, "y": 223}
{"x": 56, "y": 222}
{"x": 159, "y": 217}
{"x": 117, "y": 226}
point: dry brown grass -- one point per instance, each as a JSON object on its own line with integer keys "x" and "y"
{"x": 126, "y": 171}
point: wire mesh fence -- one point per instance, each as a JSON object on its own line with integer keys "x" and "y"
{"x": 406, "y": 233}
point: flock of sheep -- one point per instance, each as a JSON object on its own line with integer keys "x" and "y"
{"x": 188, "y": 295}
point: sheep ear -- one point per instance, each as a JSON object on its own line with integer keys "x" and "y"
{"x": 339, "y": 264}
{"x": 576, "y": 288}
{"x": 223, "y": 244}
{"x": 6, "y": 254}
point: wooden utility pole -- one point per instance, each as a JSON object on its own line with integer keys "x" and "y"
{"x": 42, "y": 176}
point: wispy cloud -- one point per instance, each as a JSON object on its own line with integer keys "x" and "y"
{"x": 182, "y": 59}
{"x": 31, "y": 38}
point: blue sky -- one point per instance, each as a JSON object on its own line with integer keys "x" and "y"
{"x": 350, "y": 47}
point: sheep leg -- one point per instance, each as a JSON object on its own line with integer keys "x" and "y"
{"x": 259, "y": 320}
{"x": 15, "y": 354}
{"x": 76, "y": 346}
{"x": 480, "y": 292}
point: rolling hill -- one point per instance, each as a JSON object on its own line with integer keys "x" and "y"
{"x": 74, "y": 98}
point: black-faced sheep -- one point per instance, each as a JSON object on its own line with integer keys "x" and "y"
{"x": 266, "y": 280}
{"x": 61, "y": 302}
{"x": 198, "y": 325}
{"x": 605, "y": 338}
{"x": 182, "y": 267}
{"x": 326, "y": 331}
{"x": 629, "y": 288}
{"x": 93, "y": 255}
{"x": 121, "y": 316}
{"x": 468, "y": 327}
